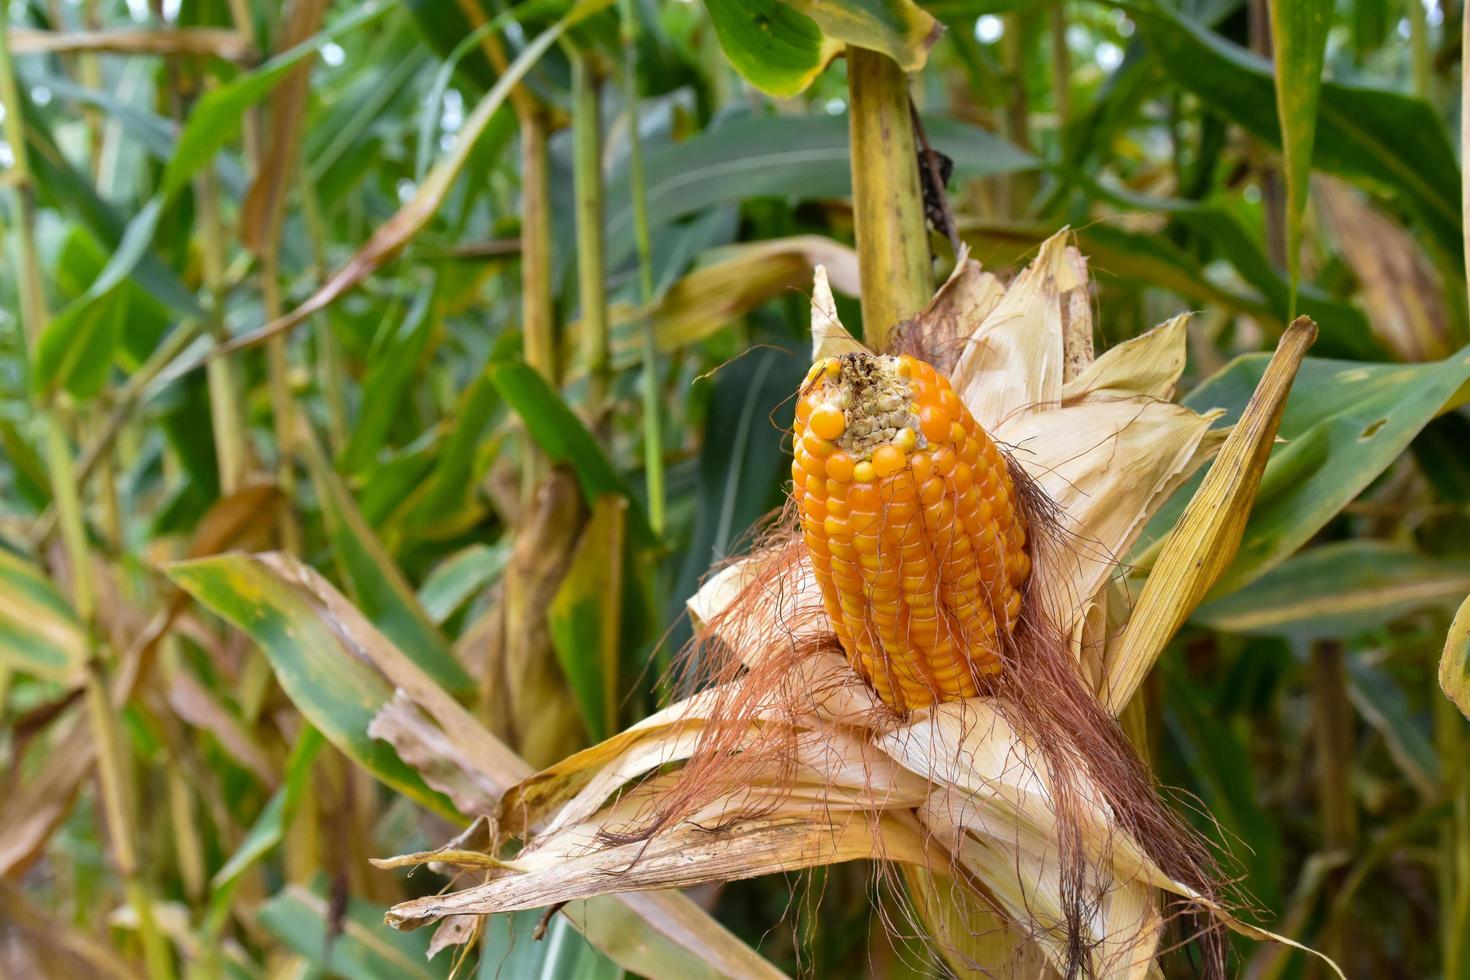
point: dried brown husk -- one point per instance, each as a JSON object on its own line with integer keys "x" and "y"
{"x": 1028, "y": 798}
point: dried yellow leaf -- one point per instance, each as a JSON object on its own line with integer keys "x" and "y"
{"x": 1454, "y": 665}
{"x": 1203, "y": 543}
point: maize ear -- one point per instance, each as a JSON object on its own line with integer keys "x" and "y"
{"x": 910, "y": 516}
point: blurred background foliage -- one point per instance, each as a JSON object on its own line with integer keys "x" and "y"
{"x": 322, "y": 278}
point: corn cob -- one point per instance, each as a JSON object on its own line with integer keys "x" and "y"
{"x": 911, "y": 519}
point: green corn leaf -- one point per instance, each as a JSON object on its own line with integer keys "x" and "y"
{"x": 73, "y": 194}
{"x": 509, "y": 950}
{"x": 445, "y": 502}
{"x": 268, "y": 830}
{"x": 393, "y": 371}
{"x": 40, "y": 634}
{"x": 215, "y": 119}
{"x": 459, "y": 577}
{"x": 788, "y": 157}
{"x": 299, "y": 918}
{"x": 338, "y": 693}
{"x": 781, "y": 47}
{"x": 1337, "y": 590}
{"x": 1373, "y": 135}
{"x": 1344, "y": 424}
{"x": 741, "y": 468}
{"x": 562, "y": 436}
{"x": 1385, "y": 705}
{"x": 1216, "y": 762}
{"x": 778, "y": 49}
{"x": 900, "y": 29}
{"x": 1299, "y": 40}
{"x": 376, "y": 582}
{"x": 585, "y": 616}
{"x": 75, "y": 352}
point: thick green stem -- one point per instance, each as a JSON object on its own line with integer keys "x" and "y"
{"x": 538, "y": 329}
{"x": 653, "y": 444}
{"x": 1020, "y": 186}
{"x": 591, "y": 254}
{"x": 224, "y": 387}
{"x": 1423, "y": 57}
{"x": 111, "y": 764}
{"x": 888, "y": 208}
{"x": 283, "y": 409}
{"x": 1454, "y": 866}
{"x": 537, "y": 322}
{"x": 33, "y": 313}
{"x": 1061, "y": 72}
{"x": 330, "y": 373}
{"x": 1333, "y": 733}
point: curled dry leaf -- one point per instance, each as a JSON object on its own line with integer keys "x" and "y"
{"x": 1454, "y": 664}
{"x": 456, "y": 930}
{"x": 423, "y": 745}
{"x": 1397, "y": 284}
{"x": 227, "y": 44}
{"x": 736, "y": 279}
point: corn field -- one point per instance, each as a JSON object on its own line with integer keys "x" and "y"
{"x": 734, "y": 488}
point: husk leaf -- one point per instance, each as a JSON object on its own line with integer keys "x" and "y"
{"x": 955, "y": 792}
{"x": 1203, "y": 543}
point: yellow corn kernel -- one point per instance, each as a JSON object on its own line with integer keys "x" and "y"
{"x": 914, "y": 534}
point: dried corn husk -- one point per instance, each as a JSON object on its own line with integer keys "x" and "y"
{"x": 955, "y": 790}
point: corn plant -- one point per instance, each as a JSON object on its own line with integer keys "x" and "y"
{"x": 788, "y": 487}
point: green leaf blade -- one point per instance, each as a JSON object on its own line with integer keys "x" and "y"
{"x": 1299, "y": 39}
{"x": 1344, "y": 424}
{"x": 1372, "y": 135}
{"x": 338, "y": 693}
{"x": 777, "y": 48}
{"x": 562, "y": 436}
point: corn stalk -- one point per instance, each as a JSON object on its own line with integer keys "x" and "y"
{"x": 591, "y": 260}
{"x": 112, "y": 765}
{"x": 888, "y": 208}
{"x": 653, "y": 447}
{"x": 1333, "y": 733}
